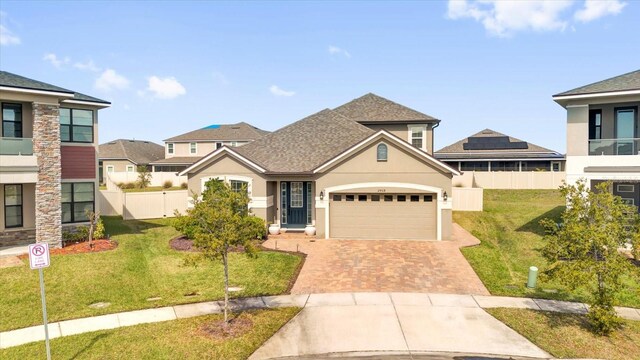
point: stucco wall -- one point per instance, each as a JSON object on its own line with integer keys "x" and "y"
{"x": 118, "y": 165}
{"x": 402, "y": 131}
{"x": 202, "y": 148}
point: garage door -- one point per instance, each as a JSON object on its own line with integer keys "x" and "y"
{"x": 382, "y": 216}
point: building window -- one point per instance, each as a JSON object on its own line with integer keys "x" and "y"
{"x": 388, "y": 198}
{"x": 415, "y": 198}
{"x": 350, "y": 197}
{"x": 77, "y": 200}
{"x": 169, "y": 168}
{"x": 402, "y": 198}
{"x": 625, "y": 130}
{"x": 283, "y": 187}
{"x": 297, "y": 199}
{"x": 193, "y": 148}
{"x": 381, "y": 152}
{"x": 555, "y": 166}
{"x": 375, "y": 197}
{"x": 12, "y": 120}
{"x": 238, "y": 186}
{"x": 76, "y": 125}
{"x": 474, "y": 166}
{"x": 169, "y": 148}
{"x": 362, "y": 197}
{"x": 595, "y": 124}
{"x": 337, "y": 197}
{"x": 12, "y": 206}
{"x": 131, "y": 168}
{"x": 218, "y": 145}
{"x": 110, "y": 168}
{"x": 428, "y": 198}
{"x": 233, "y": 143}
{"x": 505, "y": 166}
{"x": 625, "y": 188}
{"x": 417, "y": 137}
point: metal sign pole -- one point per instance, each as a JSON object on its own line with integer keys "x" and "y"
{"x": 44, "y": 314}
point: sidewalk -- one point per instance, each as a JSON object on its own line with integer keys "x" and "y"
{"x": 443, "y": 303}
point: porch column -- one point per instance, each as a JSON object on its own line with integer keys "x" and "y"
{"x": 46, "y": 148}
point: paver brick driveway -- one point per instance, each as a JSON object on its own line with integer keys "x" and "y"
{"x": 383, "y": 265}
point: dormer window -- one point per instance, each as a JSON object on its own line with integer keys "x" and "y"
{"x": 381, "y": 152}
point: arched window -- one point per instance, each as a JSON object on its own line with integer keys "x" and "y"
{"x": 382, "y": 152}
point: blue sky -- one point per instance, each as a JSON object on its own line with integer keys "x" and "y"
{"x": 172, "y": 67}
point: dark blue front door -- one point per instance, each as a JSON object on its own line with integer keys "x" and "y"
{"x": 295, "y": 203}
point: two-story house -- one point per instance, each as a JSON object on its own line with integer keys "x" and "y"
{"x": 363, "y": 170}
{"x": 603, "y": 134}
{"x": 185, "y": 149}
{"x": 48, "y": 159}
{"x": 127, "y": 155}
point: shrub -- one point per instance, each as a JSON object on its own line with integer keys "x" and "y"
{"x": 259, "y": 223}
{"x": 129, "y": 185}
{"x": 186, "y": 226}
{"x": 184, "y": 185}
{"x": 121, "y": 185}
{"x": 167, "y": 184}
{"x": 144, "y": 177}
{"x": 99, "y": 231}
{"x": 81, "y": 233}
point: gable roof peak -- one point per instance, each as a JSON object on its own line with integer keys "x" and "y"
{"x": 373, "y": 108}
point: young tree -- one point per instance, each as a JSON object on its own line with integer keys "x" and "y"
{"x": 585, "y": 249}
{"x": 94, "y": 220}
{"x": 144, "y": 176}
{"x": 219, "y": 221}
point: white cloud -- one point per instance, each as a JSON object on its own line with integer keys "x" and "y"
{"x": 7, "y": 37}
{"x": 111, "y": 80}
{"x": 505, "y": 17}
{"x": 275, "y": 90}
{"x": 334, "y": 50}
{"x": 55, "y": 61}
{"x": 595, "y": 9}
{"x": 89, "y": 66}
{"x": 166, "y": 88}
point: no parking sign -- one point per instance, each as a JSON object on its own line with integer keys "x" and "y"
{"x": 39, "y": 256}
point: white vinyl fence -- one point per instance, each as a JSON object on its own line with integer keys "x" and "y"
{"x": 157, "y": 178}
{"x": 141, "y": 205}
{"x": 467, "y": 199}
{"x": 510, "y": 179}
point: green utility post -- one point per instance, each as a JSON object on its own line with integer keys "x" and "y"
{"x": 533, "y": 277}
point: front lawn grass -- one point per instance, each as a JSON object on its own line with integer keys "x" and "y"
{"x": 142, "y": 267}
{"x": 511, "y": 241}
{"x": 177, "y": 339}
{"x": 568, "y": 335}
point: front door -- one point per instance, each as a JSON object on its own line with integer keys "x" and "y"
{"x": 629, "y": 192}
{"x": 295, "y": 196}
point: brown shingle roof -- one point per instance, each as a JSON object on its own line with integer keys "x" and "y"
{"x": 138, "y": 151}
{"x": 624, "y": 82}
{"x": 305, "y": 144}
{"x": 230, "y": 132}
{"x": 457, "y": 150}
{"x": 372, "y": 108}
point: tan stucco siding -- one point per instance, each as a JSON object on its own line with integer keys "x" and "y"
{"x": 402, "y": 131}
{"x": 118, "y": 165}
{"x": 202, "y": 148}
{"x": 400, "y": 167}
{"x": 227, "y": 166}
{"x": 578, "y": 130}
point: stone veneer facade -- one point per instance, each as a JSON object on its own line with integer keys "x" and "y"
{"x": 46, "y": 147}
{"x": 18, "y": 237}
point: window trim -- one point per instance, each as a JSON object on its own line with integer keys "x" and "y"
{"x": 133, "y": 169}
{"x": 73, "y": 202}
{"x": 71, "y": 126}
{"x": 385, "y": 148}
{"x": 12, "y": 121}
{"x": 4, "y": 203}
{"x": 111, "y": 168}
{"x": 423, "y": 136}
{"x": 171, "y": 148}
{"x": 193, "y": 148}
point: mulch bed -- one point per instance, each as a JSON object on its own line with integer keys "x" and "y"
{"x": 81, "y": 248}
{"x": 237, "y": 326}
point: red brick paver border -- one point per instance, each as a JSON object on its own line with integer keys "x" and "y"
{"x": 383, "y": 265}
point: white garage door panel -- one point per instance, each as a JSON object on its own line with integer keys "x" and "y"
{"x": 383, "y": 220}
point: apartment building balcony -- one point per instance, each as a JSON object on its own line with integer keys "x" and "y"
{"x": 615, "y": 147}
{"x": 18, "y": 164}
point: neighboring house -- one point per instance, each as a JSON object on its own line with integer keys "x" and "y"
{"x": 183, "y": 150}
{"x": 360, "y": 171}
{"x": 48, "y": 159}
{"x": 490, "y": 150}
{"x": 124, "y": 155}
{"x": 603, "y": 134}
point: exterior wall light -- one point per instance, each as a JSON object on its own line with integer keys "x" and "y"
{"x": 445, "y": 196}
{"x": 322, "y": 195}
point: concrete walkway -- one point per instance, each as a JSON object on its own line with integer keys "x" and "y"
{"x": 413, "y": 320}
